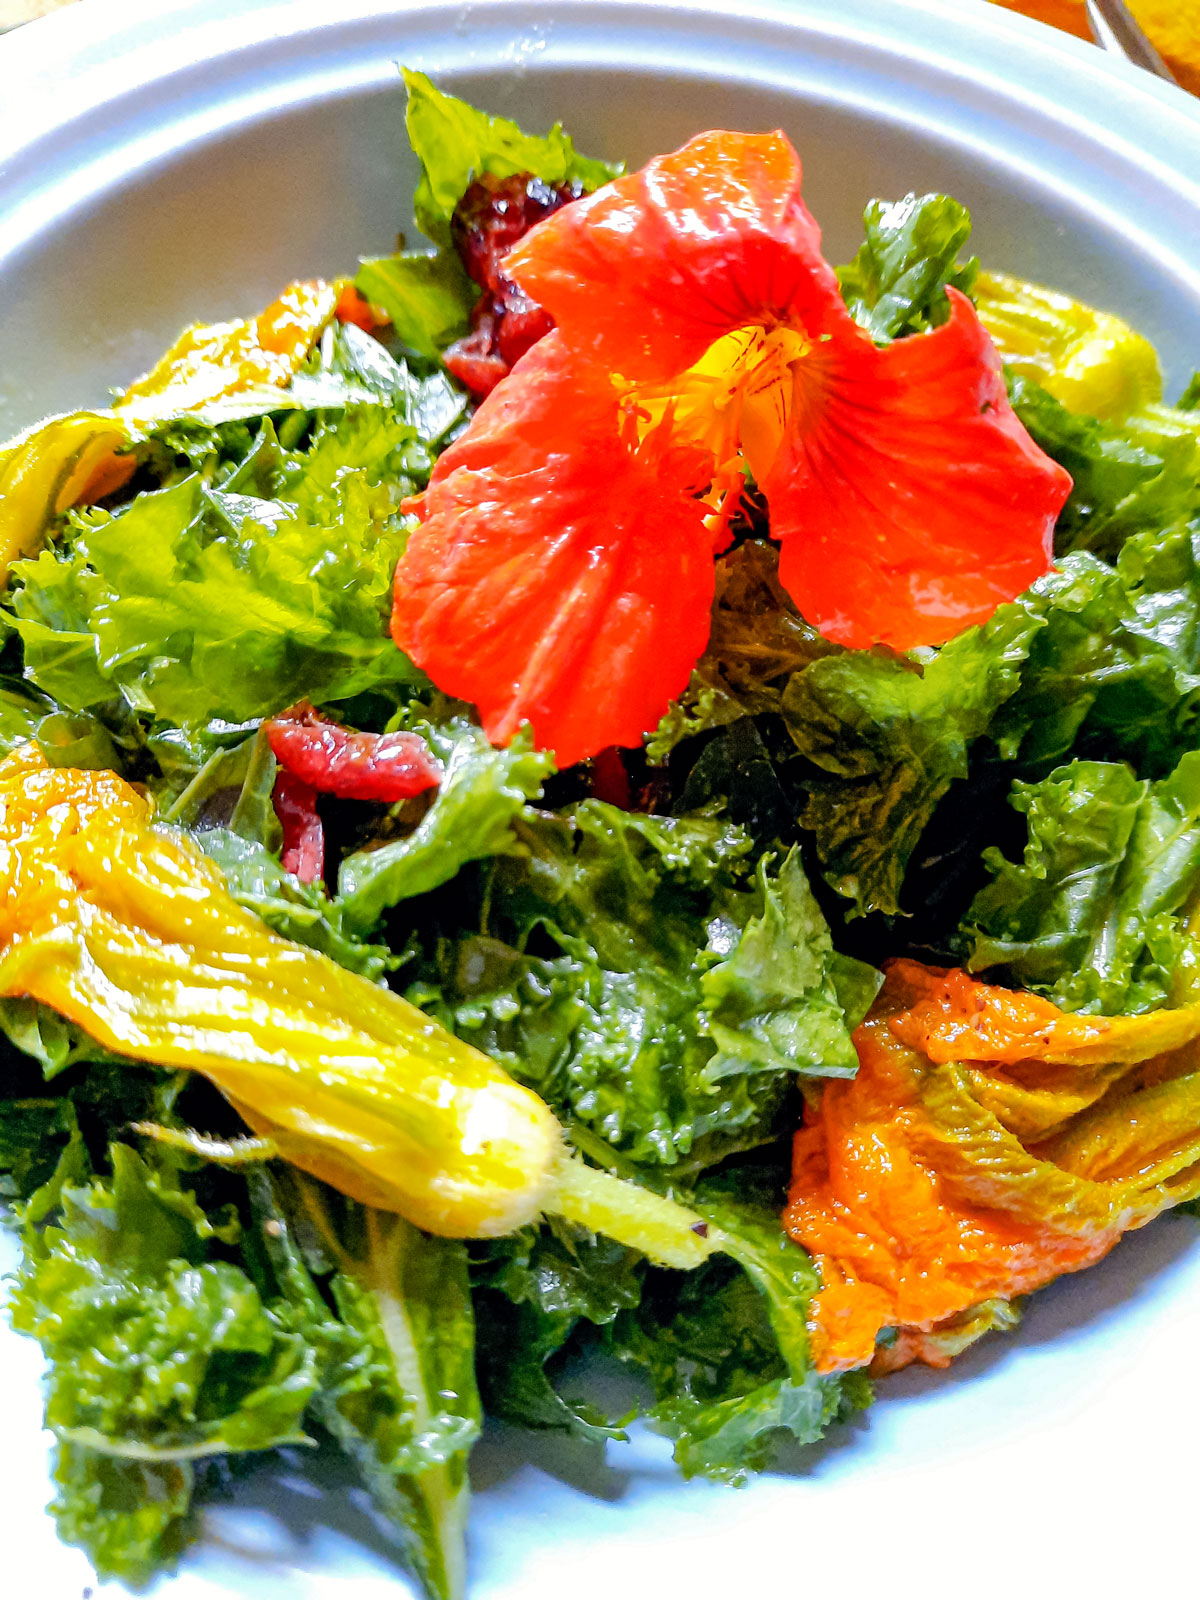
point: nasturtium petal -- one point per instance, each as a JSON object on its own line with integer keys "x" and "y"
{"x": 908, "y": 499}
{"x": 558, "y": 578}
{"x": 647, "y": 273}
{"x": 701, "y": 337}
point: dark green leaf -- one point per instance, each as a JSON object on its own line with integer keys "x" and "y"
{"x": 1138, "y": 475}
{"x": 758, "y": 639}
{"x": 22, "y": 712}
{"x": 536, "y": 1289}
{"x": 639, "y": 979}
{"x": 726, "y": 1349}
{"x": 737, "y": 772}
{"x": 455, "y": 143}
{"x": 34, "y": 1130}
{"x": 52, "y": 1041}
{"x": 429, "y": 297}
{"x": 890, "y": 734}
{"x": 159, "y": 1352}
{"x": 387, "y": 1311}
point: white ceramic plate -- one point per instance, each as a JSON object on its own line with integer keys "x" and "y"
{"x": 163, "y": 160}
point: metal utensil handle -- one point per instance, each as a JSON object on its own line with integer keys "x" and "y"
{"x": 1114, "y": 28}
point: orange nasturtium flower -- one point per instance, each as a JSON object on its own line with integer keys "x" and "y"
{"x": 563, "y": 571}
{"x": 989, "y": 1143}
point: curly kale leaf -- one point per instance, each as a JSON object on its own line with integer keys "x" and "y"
{"x": 757, "y": 641}
{"x": 1095, "y": 914}
{"x": 539, "y": 1294}
{"x": 161, "y": 1351}
{"x": 636, "y": 974}
{"x": 896, "y": 283}
{"x": 243, "y": 584}
{"x": 387, "y": 1312}
{"x": 726, "y": 1349}
{"x": 889, "y": 734}
{"x": 482, "y": 793}
{"x": 1136, "y": 476}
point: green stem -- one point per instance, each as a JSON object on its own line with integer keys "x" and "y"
{"x": 132, "y": 1450}
{"x": 445, "y": 1496}
{"x": 669, "y": 1233}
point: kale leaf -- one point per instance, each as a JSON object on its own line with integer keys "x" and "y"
{"x": 889, "y": 734}
{"x": 191, "y": 621}
{"x": 896, "y": 283}
{"x": 537, "y": 1292}
{"x": 726, "y": 1349}
{"x": 1095, "y": 914}
{"x": 386, "y": 1311}
{"x": 482, "y": 792}
{"x": 294, "y": 910}
{"x": 758, "y": 639}
{"x": 161, "y": 1352}
{"x": 244, "y": 584}
{"x": 634, "y": 973}
{"x": 1096, "y": 660}
{"x": 1129, "y": 477}
{"x": 1114, "y": 672}
{"x": 227, "y": 807}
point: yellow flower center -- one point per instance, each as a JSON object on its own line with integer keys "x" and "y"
{"x": 735, "y": 402}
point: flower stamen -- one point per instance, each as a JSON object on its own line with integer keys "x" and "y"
{"x": 727, "y": 415}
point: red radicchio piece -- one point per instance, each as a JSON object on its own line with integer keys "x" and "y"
{"x": 506, "y": 322}
{"x": 295, "y": 805}
{"x": 610, "y": 780}
{"x": 354, "y": 766}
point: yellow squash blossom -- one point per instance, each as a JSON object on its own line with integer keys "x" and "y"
{"x": 125, "y": 927}
{"x": 77, "y": 459}
{"x": 213, "y": 361}
{"x": 1091, "y": 361}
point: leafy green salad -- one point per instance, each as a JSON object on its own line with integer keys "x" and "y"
{"x": 230, "y": 636}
